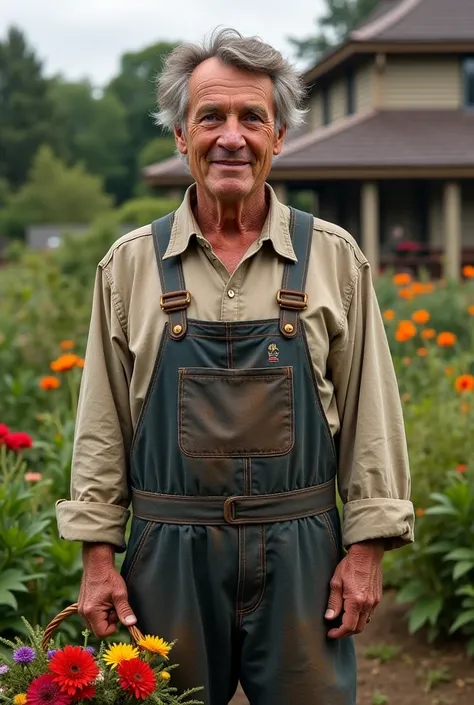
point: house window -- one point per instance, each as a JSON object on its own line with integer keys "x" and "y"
{"x": 350, "y": 94}
{"x": 469, "y": 82}
{"x": 326, "y": 106}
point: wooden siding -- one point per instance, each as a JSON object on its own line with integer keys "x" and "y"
{"x": 422, "y": 82}
{"x": 315, "y": 115}
{"x": 338, "y": 99}
{"x": 364, "y": 87}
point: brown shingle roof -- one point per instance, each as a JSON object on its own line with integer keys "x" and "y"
{"x": 419, "y": 20}
{"x": 402, "y": 138}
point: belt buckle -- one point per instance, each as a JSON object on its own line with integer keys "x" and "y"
{"x": 229, "y": 511}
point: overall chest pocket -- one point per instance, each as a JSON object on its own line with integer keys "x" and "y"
{"x": 235, "y": 413}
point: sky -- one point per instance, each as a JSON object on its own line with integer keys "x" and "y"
{"x": 85, "y": 38}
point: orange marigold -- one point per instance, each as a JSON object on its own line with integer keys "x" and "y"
{"x": 470, "y": 310}
{"x": 422, "y": 352}
{"x": 66, "y": 344}
{"x": 401, "y": 279}
{"x": 465, "y": 408}
{"x": 464, "y": 383}
{"x": 64, "y": 363}
{"x": 49, "y": 382}
{"x": 421, "y": 316}
{"x": 420, "y": 512}
{"x": 80, "y": 362}
{"x": 449, "y": 371}
{"x": 406, "y": 329}
{"x": 389, "y": 314}
{"x": 428, "y": 288}
{"x": 468, "y": 271}
{"x": 406, "y": 293}
{"x": 446, "y": 339}
{"x": 402, "y": 335}
{"x": 406, "y": 361}
{"x": 418, "y": 288}
{"x": 428, "y": 334}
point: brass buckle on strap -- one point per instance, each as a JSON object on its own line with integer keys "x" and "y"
{"x": 229, "y": 511}
{"x": 175, "y": 301}
{"x": 293, "y": 300}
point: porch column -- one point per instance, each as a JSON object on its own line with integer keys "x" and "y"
{"x": 369, "y": 209}
{"x": 452, "y": 230}
{"x": 281, "y": 192}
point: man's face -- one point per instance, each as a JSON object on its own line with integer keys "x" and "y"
{"x": 230, "y": 136}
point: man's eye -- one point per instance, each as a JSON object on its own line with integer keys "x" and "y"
{"x": 253, "y": 117}
{"x": 209, "y": 118}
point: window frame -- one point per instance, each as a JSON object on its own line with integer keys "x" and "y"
{"x": 468, "y": 78}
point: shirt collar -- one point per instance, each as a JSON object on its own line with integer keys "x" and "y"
{"x": 275, "y": 229}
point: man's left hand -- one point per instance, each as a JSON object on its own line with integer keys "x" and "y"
{"x": 356, "y": 588}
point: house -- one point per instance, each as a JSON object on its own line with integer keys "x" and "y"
{"x": 388, "y": 149}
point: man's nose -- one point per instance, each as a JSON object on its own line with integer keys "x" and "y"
{"x": 231, "y": 137}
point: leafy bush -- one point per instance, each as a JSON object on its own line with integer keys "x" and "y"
{"x": 141, "y": 211}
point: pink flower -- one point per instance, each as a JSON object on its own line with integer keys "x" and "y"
{"x": 44, "y": 691}
{"x": 33, "y": 476}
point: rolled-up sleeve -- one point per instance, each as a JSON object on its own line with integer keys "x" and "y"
{"x": 98, "y": 508}
{"x": 373, "y": 474}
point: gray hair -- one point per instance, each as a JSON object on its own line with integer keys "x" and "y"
{"x": 246, "y": 53}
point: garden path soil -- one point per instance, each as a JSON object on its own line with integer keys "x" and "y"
{"x": 413, "y": 671}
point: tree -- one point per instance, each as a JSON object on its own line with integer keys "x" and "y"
{"x": 93, "y": 131}
{"x": 55, "y": 193}
{"x": 26, "y": 109}
{"x": 135, "y": 88}
{"x": 339, "y": 19}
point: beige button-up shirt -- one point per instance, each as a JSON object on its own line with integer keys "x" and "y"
{"x": 348, "y": 346}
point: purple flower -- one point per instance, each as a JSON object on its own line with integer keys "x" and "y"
{"x": 3, "y": 669}
{"x": 90, "y": 649}
{"x": 50, "y": 653}
{"x": 25, "y": 654}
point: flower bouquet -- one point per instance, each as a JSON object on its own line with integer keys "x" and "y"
{"x": 37, "y": 672}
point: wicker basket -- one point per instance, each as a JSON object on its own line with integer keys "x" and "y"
{"x": 68, "y": 612}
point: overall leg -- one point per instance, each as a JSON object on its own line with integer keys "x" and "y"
{"x": 182, "y": 586}
{"x": 287, "y": 658}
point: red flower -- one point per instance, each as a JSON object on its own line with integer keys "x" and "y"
{"x": 73, "y": 669}
{"x": 44, "y": 691}
{"x": 137, "y": 677}
{"x": 4, "y": 431}
{"x": 461, "y": 468}
{"x": 87, "y": 693}
{"x": 18, "y": 440}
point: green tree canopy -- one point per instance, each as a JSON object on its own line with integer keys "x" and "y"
{"x": 93, "y": 130}
{"x": 135, "y": 88}
{"x": 55, "y": 193}
{"x": 339, "y": 18}
{"x": 26, "y": 109}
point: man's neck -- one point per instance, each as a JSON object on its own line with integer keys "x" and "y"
{"x": 232, "y": 225}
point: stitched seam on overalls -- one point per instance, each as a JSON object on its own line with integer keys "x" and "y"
{"x": 318, "y": 397}
{"x": 263, "y": 560}
{"x": 327, "y": 521}
{"x": 241, "y": 574}
{"x": 151, "y": 387}
{"x": 139, "y": 550}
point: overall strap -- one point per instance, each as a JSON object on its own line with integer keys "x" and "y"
{"x": 175, "y": 299}
{"x": 292, "y": 297}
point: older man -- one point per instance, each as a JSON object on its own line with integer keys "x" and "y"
{"x": 237, "y": 366}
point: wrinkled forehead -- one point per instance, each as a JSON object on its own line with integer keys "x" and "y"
{"x": 217, "y": 83}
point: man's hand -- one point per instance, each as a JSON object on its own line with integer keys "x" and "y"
{"x": 356, "y": 588}
{"x": 103, "y": 600}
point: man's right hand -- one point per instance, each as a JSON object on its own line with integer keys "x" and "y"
{"x": 103, "y": 599}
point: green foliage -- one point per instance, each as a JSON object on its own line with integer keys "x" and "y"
{"x": 340, "y": 18}
{"x": 382, "y": 652}
{"x": 56, "y": 193}
{"x": 141, "y": 211}
{"x": 26, "y": 113}
{"x": 379, "y": 698}
{"x": 157, "y": 150}
{"x": 93, "y": 130}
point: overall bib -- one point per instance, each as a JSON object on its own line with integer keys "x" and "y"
{"x": 235, "y": 533}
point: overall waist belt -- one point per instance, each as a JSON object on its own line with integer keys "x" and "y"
{"x": 237, "y": 509}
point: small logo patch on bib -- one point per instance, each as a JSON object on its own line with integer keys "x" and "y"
{"x": 273, "y": 353}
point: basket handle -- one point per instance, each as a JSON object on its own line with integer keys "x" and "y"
{"x": 68, "y": 612}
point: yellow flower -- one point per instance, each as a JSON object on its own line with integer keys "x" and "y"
{"x": 20, "y": 699}
{"x": 156, "y": 645}
{"x": 116, "y": 653}
{"x": 164, "y": 675}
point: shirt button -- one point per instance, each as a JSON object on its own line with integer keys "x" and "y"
{"x": 231, "y": 293}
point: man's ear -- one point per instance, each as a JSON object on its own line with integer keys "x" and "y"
{"x": 279, "y": 139}
{"x": 180, "y": 138}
